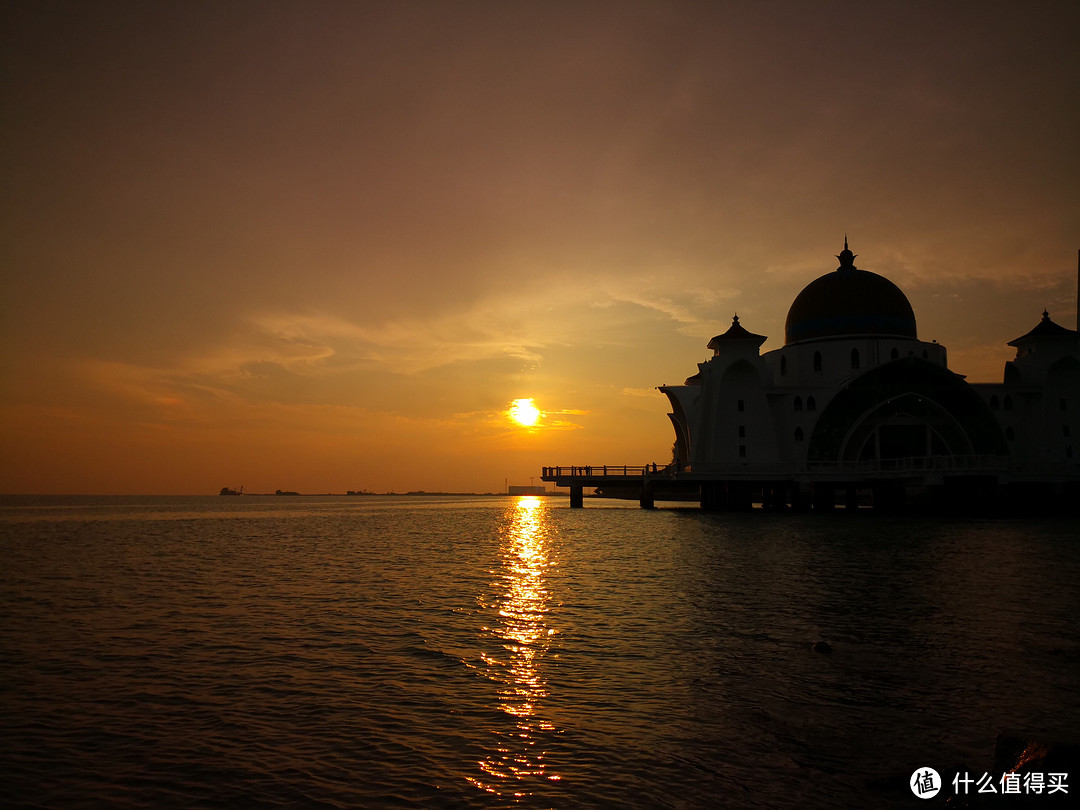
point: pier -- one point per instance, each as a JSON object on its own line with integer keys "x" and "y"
{"x": 977, "y": 482}
{"x": 603, "y": 475}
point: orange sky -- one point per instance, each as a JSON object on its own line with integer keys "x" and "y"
{"x": 323, "y": 246}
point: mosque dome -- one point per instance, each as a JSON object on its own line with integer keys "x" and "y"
{"x": 849, "y": 301}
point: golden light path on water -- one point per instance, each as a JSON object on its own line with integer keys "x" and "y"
{"x": 517, "y": 763}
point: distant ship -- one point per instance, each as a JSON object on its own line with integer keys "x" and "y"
{"x": 227, "y": 491}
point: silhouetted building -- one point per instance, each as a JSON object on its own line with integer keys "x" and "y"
{"x": 855, "y": 396}
{"x": 855, "y": 408}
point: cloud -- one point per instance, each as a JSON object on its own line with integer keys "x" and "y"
{"x": 649, "y": 393}
{"x": 388, "y": 221}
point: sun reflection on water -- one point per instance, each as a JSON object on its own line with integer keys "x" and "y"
{"x": 518, "y": 764}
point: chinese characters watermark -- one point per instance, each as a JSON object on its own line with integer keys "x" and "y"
{"x": 925, "y": 783}
{"x": 1034, "y": 782}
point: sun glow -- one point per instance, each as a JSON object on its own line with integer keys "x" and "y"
{"x": 522, "y": 757}
{"x": 524, "y": 412}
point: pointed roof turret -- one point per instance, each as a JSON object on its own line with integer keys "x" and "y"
{"x": 846, "y": 257}
{"x": 1044, "y": 328}
{"x": 735, "y": 332}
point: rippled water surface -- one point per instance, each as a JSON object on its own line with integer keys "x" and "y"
{"x": 496, "y": 652}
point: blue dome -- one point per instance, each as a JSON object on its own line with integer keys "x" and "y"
{"x": 849, "y": 301}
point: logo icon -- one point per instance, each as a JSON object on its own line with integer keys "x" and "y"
{"x": 925, "y": 783}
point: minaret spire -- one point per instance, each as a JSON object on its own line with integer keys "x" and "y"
{"x": 846, "y": 257}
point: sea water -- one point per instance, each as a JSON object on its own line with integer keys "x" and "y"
{"x": 374, "y": 651}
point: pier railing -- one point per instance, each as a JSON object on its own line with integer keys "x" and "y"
{"x": 912, "y": 465}
{"x": 898, "y": 467}
{"x": 602, "y": 471}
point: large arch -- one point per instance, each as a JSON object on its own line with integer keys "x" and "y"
{"x": 681, "y": 452}
{"x": 683, "y": 446}
{"x": 905, "y": 426}
{"x": 908, "y": 392}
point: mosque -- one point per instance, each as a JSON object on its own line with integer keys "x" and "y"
{"x": 855, "y": 409}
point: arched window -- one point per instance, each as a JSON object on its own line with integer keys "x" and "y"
{"x": 817, "y": 361}
{"x": 1008, "y": 402}
{"x": 798, "y": 434}
{"x": 895, "y": 354}
{"x": 810, "y": 404}
{"x": 798, "y": 403}
{"x": 783, "y": 365}
{"x": 994, "y": 404}
{"x": 855, "y": 358}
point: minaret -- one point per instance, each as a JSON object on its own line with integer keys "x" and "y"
{"x": 846, "y": 257}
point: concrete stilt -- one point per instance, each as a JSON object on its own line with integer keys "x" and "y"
{"x": 888, "y": 496}
{"x": 577, "y": 496}
{"x": 800, "y": 497}
{"x": 711, "y": 496}
{"x": 740, "y": 496}
{"x": 824, "y": 496}
{"x": 774, "y": 496}
{"x": 647, "y": 501}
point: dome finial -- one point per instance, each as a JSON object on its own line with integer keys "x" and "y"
{"x": 846, "y": 257}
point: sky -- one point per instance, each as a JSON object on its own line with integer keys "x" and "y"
{"x": 324, "y": 246}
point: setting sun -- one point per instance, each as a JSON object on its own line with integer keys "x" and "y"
{"x": 524, "y": 412}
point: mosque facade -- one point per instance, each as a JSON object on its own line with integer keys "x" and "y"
{"x": 854, "y": 408}
{"x": 855, "y": 398}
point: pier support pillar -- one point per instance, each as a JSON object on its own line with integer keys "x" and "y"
{"x": 800, "y": 497}
{"x": 824, "y": 497}
{"x": 740, "y": 496}
{"x": 577, "y": 496}
{"x": 647, "y": 501}
{"x": 889, "y": 496}
{"x": 774, "y": 496}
